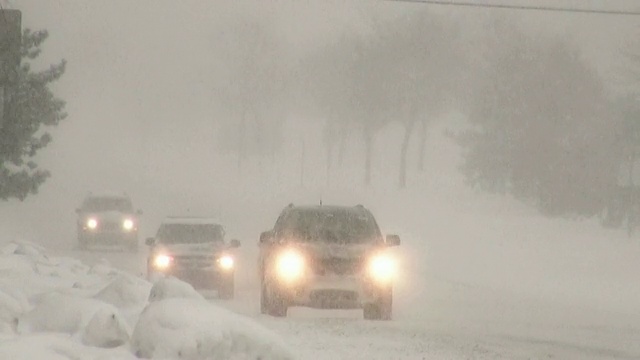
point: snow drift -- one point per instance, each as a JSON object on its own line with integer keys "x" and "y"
{"x": 171, "y": 287}
{"x": 179, "y": 323}
{"x": 93, "y": 322}
{"x": 188, "y": 328}
{"x": 59, "y": 308}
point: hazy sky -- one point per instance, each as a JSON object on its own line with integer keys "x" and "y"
{"x": 138, "y": 84}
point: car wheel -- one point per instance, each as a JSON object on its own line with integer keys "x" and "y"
{"x": 264, "y": 308}
{"x": 381, "y": 309}
{"x": 82, "y": 244}
{"x": 272, "y": 303}
{"x": 226, "y": 288}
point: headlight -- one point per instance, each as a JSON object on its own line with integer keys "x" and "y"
{"x": 382, "y": 268}
{"x": 127, "y": 224}
{"x": 290, "y": 265}
{"x": 226, "y": 262}
{"x": 162, "y": 261}
{"x": 92, "y": 223}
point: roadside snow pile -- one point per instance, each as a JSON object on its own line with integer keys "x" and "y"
{"x": 42, "y": 296}
{"x": 59, "y": 308}
{"x": 26, "y": 268}
{"x": 189, "y": 328}
{"x": 179, "y": 323}
{"x": 125, "y": 292}
{"x": 171, "y": 287}
{"x": 56, "y": 347}
{"x": 12, "y": 304}
{"x": 92, "y": 322}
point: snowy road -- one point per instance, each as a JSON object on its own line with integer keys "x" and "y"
{"x": 440, "y": 319}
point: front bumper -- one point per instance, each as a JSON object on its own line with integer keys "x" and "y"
{"x": 333, "y": 292}
{"x": 108, "y": 237}
{"x": 199, "y": 278}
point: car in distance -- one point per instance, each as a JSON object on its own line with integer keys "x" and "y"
{"x": 327, "y": 257}
{"x": 107, "y": 220}
{"x": 194, "y": 250}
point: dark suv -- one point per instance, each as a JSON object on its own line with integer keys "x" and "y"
{"x": 108, "y": 220}
{"x": 327, "y": 257}
{"x": 193, "y": 250}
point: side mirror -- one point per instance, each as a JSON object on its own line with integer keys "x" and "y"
{"x": 139, "y": 212}
{"x": 234, "y": 243}
{"x": 392, "y": 240}
{"x": 150, "y": 241}
{"x": 266, "y": 237}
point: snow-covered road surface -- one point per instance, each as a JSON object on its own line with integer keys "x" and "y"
{"x": 481, "y": 278}
{"x": 436, "y": 318}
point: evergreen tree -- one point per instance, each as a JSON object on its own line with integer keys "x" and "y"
{"x": 29, "y": 107}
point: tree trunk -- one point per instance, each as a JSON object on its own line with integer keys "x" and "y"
{"x": 342, "y": 146}
{"x": 422, "y": 145}
{"x": 328, "y": 141}
{"x": 403, "y": 153}
{"x": 302, "y": 162}
{"x": 241, "y": 139}
{"x": 368, "y": 143}
{"x": 328, "y": 147}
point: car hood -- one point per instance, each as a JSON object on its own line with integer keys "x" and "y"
{"x": 322, "y": 250}
{"x": 109, "y": 215}
{"x": 191, "y": 249}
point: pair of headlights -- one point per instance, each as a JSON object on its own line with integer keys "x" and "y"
{"x": 291, "y": 266}
{"x": 127, "y": 224}
{"x": 163, "y": 261}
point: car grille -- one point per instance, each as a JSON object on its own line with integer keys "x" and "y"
{"x": 110, "y": 226}
{"x": 334, "y": 299}
{"x": 337, "y": 266}
{"x": 193, "y": 261}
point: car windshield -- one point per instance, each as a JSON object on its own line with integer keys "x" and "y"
{"x": 332, "y": 226}
{"x": 190, "y": 233}
{"x": 107, "y": 204}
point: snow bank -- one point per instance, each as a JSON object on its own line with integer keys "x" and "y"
{"x": 56, "y": 347}
{"x": 189, "y": 328}
{"x": 125, "y": 291}
{"x": 13, "y": 304}
{"x": 93, "y": 322}
{"x": 59, "y": 308}
{"x": 103, "y": 267}
{"x": 171, "y": 287}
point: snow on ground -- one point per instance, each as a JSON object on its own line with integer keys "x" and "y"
{"x": 60, "y": 308}
{"x": 188, "y": 328}
{"x": 482, "y": 277}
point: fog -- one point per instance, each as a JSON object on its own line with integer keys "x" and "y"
{"x": 153, "y": 91}
{"x": 143, "y": 118}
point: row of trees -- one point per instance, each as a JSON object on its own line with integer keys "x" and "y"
{"x": 544, "y": 128}
{"x": 403, "y": 70}
{"x": 542, "y": 125}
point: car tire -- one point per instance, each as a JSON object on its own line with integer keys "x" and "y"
{"x": 133, "y": 248}
{"x": 82, "y": 244}
{"x": 272, "y": 304}
{"x": 226, "y": 288}
{"x": 381, "y": 309}
{"x": 264, "y": 308}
